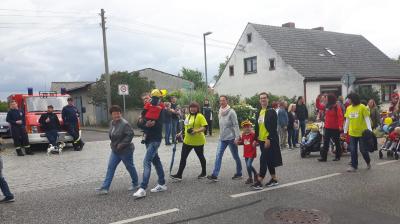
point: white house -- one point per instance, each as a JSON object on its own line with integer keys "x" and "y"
{"x": 304, "y": 62}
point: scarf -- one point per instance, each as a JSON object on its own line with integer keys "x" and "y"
{"x": 224, "y": 111}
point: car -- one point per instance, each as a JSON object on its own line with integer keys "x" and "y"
{"x": 4, "y": 126}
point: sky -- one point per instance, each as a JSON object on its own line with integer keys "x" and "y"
{"x": 42, "y": 41}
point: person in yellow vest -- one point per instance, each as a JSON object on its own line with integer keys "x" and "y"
{"x": 357, "y": 121}
{"x": 267, "y": 134}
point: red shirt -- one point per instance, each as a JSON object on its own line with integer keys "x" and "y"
{"x": 247, "y": 141}
{"x": 153, "y": 112}
{"x": 333, "y": 116}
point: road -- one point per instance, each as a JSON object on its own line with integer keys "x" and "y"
{"x": 60, "y": 189}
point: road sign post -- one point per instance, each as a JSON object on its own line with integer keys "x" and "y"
{"x": 348, "y": 80}
{"x": 123, "y": 90}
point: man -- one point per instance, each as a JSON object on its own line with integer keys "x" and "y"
{"x": 51, "y": 125}
{"x": 229, "y": 136}
{"x": 207, "y": 112}
{"x": 174, "y": 118}
{"x": 153, "y": 130}
{"x": 70, "y": 117}
{"x": 283, "y": 121}
{"x": 16, "y": 118}
{"x": 167, "y": 118}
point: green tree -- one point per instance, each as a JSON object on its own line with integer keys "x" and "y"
{"x": 221, "y": 68}
{"x": 194, "y": 76}
{"x": 367, "y": 93}
{"x": 3, "y": 106}
{"x": 137, "y": 86}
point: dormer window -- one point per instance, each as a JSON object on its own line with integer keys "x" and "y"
{"x": 330, "y": 52}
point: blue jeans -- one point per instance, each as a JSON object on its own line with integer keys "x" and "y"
{"x": 4, "y": 186}
{"x": 291, "y": 137}
{"x": 296, "y": 137}
{"x": 220, "y": 153}
{"x": 52, "y": 136}
{"x": 354, "y": 151}
{"x": 152, "y": 157}
{"x": 168, "y": 127}
{"x": 303, "y": 127}
{"x": 174, "y": 128}
{"x": 115, "y": 159}
{"x": 250, "y": 169}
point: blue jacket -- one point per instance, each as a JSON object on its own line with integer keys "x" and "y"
{"x": 283, "y": 118}
{"x": 70, "y": 114}
{"x": 14, "y": 115}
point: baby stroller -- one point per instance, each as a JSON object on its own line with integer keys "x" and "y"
{"x": 392, "y": 142}
{"x": 311, "y": 142}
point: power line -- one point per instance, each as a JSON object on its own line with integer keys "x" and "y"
{"x": 46, "y": 16}
{"x": 44, "y": 11}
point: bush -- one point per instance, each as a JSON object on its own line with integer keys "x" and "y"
{"x": 368, "y": 93}
{"x": 3, "y": 106}
{"x": 245, "y": 112}
{"x": 254, "y": 100}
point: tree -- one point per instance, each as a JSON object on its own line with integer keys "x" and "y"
{"x": 221, "y": 68}
{"x": 3, "y": 106}
{"x": 137, "y": 86}
{"x": 194, "y": 76}
{"x": 367, "y": 93}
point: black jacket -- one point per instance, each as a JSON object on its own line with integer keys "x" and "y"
{"x": 121, "y": 135}
{"x": 301, "y": 112}
{"x": 274, "y": 156}
{"x": 14, "y": 115}
{"x": 70, "y": 115}
{"x": 153, "y": 134}
{"x": 207, "y": 111}
{"x": 54, "y": 123}
{"x": 369, "y": 140}
{"x": 291, "y": 121}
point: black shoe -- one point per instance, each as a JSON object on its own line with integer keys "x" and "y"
{"x": 28, "y": 151}
{"x": 272, "y": 183}
{"x": 19, "y": 152}
{"x": 336, "y": 159}
{"x": 237, "y": 177}
{"x": 201, "y": 176}
{"x": 167, "y": 144}
{"x": 321, "y": 160}
{"x": 213, "y": 178}
{"x": 176, "y": 177}
{"x": 257, "y": 186}
{"x": 81, "y": 144}
{"x": 7, "y": 200}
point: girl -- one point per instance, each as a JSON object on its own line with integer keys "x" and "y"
{"x": 249, "y": 142}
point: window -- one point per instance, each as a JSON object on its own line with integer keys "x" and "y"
{"x": 248, "y": 37}
{"x": 231, "y": 70}
{"x": 335, "y": 89}
{"x": 250, "y": 65}
{"x": 272, "y": 64}
{"x": 366, "y": 88}
{"x": 387, "y": 91}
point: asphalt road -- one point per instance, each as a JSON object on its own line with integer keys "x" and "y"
{"x": 60, "y": 189}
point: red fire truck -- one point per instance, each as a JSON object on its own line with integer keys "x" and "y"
{"x": 35, "y": 105}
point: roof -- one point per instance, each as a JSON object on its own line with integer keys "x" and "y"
{"x": 306, "y": 50}
{"x": 70, "y": 86}
{"x": 165, "y": 73}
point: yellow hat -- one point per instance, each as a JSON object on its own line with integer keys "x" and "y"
{"x": 246, "y": 123}
{"x": 159, "y": 93}
{"x": 388, "y": 121}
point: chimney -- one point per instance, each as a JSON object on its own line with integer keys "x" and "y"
{"x": 320, "y": 28}
{"x": 289, "y": 25}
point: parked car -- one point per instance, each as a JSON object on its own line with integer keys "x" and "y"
{"x": 4, "y": 126}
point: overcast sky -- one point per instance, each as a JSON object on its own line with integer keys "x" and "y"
{"x": 45, "y": 40}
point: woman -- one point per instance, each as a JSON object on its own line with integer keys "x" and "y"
{"x": 121, "y": 135}
{"x": 302, "y": 114}
{"x": 333, "y": 125}
{"x": 167, "y": 119}
{"x": 267, "y": 134}
{"x": 375, "y": 115}
{"x": 195, "y": 124}
{"x": 292, "y": 124}
{"x": 357, "y": 121}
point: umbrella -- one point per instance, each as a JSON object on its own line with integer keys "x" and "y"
{"x": 173, "y": 157}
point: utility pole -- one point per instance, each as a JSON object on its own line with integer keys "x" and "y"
{"x": 205, "y": 56}
{"x": 107, "y": 74}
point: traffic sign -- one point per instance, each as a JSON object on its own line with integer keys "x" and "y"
{"x": 123, "y": 89}
{"x": 348, "y": 79}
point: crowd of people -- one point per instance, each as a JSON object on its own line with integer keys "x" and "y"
{"x": 275, "y": 127}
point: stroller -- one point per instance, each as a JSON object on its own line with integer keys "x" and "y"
{"x": 392, "y": 142}
{"x": 311, "y": 142}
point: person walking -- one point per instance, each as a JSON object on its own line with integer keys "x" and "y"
{"x": 292, "y": 124}
{"x": 208, "y": 114}
{"x": 333, "y": 125}
{"x": 51, "y": 125}
{"x": 266, "y": 132}
{"x": 357, "y": 121}
{"x": 302, "y": 114}
{"x": 229, "y": 136}
{"x": 283, "y": 121}
{"x": 70, "y": 115}
{"x": 195, "y": 124}
{"x": 16, "y": 118}
{"x": 374, "y": 112}
{"x": 167, "y": 119}
{"x": 5, "y": 189}
{"x": 122, "y": 148}
{"x": 249, "y": 141}
{"x": 153, "y": 130}
{"x": 175, "y": 118}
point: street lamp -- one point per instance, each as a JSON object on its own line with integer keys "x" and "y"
{"x": 205, "y": 55}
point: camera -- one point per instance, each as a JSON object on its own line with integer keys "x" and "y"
{"x": 190, "y": 131}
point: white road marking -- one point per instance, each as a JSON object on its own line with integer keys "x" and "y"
{"x": 285, "y": 185}
{"x": 146, "y": 216}
{"x": 387, "y": 162}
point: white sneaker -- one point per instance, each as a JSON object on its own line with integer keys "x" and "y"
{"x": 101, "y": 191}
{"x": 159, "y": 188}
{"x": 351, "y": 170}
{"x": 140, "y": 193}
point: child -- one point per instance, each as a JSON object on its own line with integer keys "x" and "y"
{"x": 393, "y": 139}
{"x": 248, "y": 140}
{"x": 311, "y": 138}
{"x": 8, "y": 196}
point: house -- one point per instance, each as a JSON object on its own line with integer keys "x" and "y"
{"x": 165, "y": 80}
{"x": 305, "y": 62}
